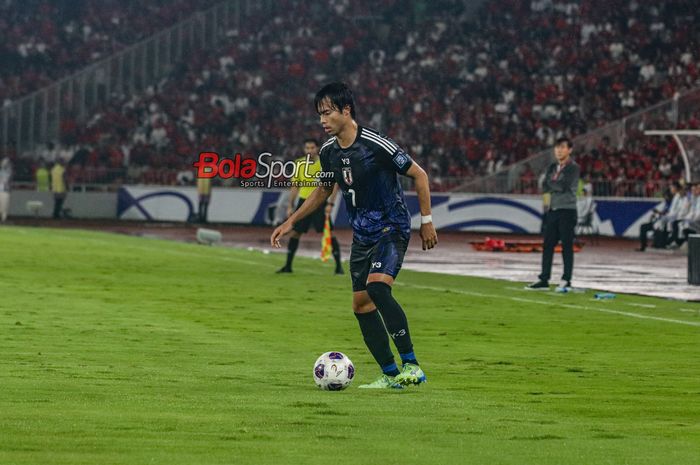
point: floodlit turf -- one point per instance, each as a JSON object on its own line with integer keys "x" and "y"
{"x": 120, "y": 350}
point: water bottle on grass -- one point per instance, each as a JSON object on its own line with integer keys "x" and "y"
{"x": 604, "y": 296}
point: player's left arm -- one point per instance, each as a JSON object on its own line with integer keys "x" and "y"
{"x": 427, "y": 230}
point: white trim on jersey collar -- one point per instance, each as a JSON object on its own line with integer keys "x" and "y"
{"x": 327, "y": 143}
{"x": 374, "y": 133}
{"x": 387, "y": 145}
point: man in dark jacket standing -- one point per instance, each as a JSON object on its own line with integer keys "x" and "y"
{"x": 561, "y": 182}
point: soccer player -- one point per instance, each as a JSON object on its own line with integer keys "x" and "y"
{"x": 365, "y": 164}
{"x": 561, "y": 181}
{"x": 304, "y": 184}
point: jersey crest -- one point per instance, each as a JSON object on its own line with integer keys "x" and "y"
{"x": 347, "y": 175}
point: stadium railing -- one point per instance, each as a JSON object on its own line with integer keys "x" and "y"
{"x": 665, "y": 115}
{"x": 110, "y": 180}
{"x": 603, "y": 188}
{"x": 36, "y": 118}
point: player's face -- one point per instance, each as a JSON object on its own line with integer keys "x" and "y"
{"x": 332, "y": 119}
{"x": 562, "y": 152}
{"x": 311, "y": 149}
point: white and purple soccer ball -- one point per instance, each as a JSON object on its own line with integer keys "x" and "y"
{"x": 333, "y": 371}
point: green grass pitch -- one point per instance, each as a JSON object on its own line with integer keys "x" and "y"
{"x": 122, "y": 350}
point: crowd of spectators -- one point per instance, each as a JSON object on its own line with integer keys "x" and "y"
{"x": 644, "y": 167}
{"x": 42, "y": 41}
{"x": 466, "y": 95}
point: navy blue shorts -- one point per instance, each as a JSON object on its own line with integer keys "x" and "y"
{"x": 384, "y": 256}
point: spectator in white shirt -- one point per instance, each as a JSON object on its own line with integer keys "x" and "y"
{"x": 671, "y": 215}
{"x": 690, "y": 223}
{"x": 676, "y": 214}
{"x": 5, "y": 178}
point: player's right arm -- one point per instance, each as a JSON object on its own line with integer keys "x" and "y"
{"x": 317, "y": 198}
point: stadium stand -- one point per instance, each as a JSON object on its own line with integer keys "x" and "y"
{"x": 44, "y": 40}
{"x": 466, "y": 95}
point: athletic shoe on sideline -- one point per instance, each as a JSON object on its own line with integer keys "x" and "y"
{"x": 538, "y": 286}
{"x": 564, "y": 286}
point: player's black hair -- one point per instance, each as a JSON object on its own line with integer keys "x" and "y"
{"x": 339, "y": 95}
{"x": 313, "y": 141}
{"x": 565, "y": 140}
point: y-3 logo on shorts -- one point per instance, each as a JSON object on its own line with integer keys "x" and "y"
{"x": 376, "y": 264}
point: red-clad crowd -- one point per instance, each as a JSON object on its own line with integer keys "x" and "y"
{"x": 645, "y": 167}
{"x": 464, "y": 94}
{"x": 42, "y": 41}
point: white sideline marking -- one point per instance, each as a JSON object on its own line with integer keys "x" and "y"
{"x": 640, "y": 305}
{"x": 418, "y": 286}
{"x": 544, "y": 302}
{"x": 197, "y": 254}
{"x": 185, "y": 253}
{"x": 512, "y": 288}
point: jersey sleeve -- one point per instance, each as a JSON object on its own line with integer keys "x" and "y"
{"x": 325, "y": 163}
{"x": 326, "y": 176}
{"x": 388, "y": 152}
{"x": 401, "y": 161}
{"x": 323, "y": 158}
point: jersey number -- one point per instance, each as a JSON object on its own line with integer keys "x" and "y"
{"x": 352, "y": 196}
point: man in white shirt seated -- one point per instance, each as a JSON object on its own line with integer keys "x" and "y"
{"x": 657, "y": 222}
{"x": 679, "y": 216}
{"x": 5, "y": 179}
{"x": 586, "y": 207}
{"x": 664, "y": 221}
{"x": 690, "y": 223}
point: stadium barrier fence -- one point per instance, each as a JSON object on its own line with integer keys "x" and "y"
{"x": 520, "y": 214}
{"x": 628, "y": 131}
{"x": 36, "y": 118}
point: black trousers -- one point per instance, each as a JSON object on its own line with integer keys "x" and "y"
{"x": 58, "y": 200}
{"x": 675, "y": 232}
{"x": 203, "y": 207}
{"x": 643, "y": 232}
{"x": 559, "y": 226}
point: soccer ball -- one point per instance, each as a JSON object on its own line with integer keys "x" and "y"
{"x": 333, "y": 371}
